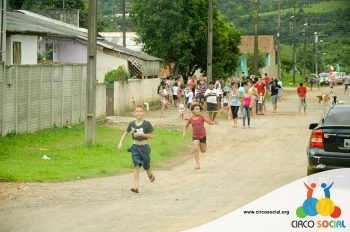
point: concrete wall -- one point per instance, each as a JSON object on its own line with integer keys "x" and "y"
{"x": 101, "y": 101}
{"x": 139, "y": 90}
{"x": 29, "y": 49}
{"x": 34, "y": 97}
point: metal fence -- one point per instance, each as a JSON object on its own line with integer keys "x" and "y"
{"x": 34, "y": 97}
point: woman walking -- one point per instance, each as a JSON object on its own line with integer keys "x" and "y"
{"x": 235, "y": 104}
{"x": 247, "y": 102}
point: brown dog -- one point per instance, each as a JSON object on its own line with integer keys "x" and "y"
{"x": 324, "y": 97}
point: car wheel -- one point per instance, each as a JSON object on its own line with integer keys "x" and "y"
{"x": 310, "y": 171}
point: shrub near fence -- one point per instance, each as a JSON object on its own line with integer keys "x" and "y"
{"x": 34, "y": 97}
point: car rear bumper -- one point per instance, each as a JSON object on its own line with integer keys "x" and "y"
{"x": 320, "y": 162}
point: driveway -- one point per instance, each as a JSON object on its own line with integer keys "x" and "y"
{"x": 240, "y": 166}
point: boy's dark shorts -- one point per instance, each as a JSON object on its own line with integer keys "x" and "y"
{"x": 141, "y": 155}
{"x": 211, "y": 107}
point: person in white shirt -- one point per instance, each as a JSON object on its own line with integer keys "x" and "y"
{"x": 175, "y": 89}
{"x": 346, "y": 83}
{"x": 211, "y": 95}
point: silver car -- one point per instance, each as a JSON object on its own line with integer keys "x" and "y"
{"x": 324, "y": 78}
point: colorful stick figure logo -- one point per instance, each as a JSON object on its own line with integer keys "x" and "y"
{"x": 323, "y": 206}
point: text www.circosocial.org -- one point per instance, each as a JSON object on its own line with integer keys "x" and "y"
{"x": 285, "y": 212}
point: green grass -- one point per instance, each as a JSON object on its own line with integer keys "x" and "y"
{"x": 287, "y": 80}
{"x": 21, "y": 155}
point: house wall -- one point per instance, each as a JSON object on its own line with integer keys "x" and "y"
{"x": 71, "y": 51}
{"x": 106, "y": 62}
{"x": 76, "y": 52}
{"x": 29, "y": 48}
{"x": 117, "y": 38}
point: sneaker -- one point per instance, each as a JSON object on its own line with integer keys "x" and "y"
{"x": 152, "y": 178}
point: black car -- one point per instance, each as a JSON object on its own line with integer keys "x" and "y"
{"x": 329, "y": 146}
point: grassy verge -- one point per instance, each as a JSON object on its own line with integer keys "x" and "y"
{"x": 287, "y": 80}
{"x": 21, "y": 156}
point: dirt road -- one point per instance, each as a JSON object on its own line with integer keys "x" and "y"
{"x": 239, "y": 166}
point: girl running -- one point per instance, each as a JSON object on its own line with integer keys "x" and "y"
{"x": 199, "y": 139}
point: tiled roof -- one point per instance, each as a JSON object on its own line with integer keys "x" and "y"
{"x": 265, "y": 43}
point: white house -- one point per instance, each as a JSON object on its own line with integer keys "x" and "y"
{"x": 117, "y": 38}
{"x": 33, "y": 38}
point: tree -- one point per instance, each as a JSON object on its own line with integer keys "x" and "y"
{"x": 176, "y": 31}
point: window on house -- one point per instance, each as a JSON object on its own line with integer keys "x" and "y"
{"x": 17, "y": 53}
{"x": 49, "y": 51}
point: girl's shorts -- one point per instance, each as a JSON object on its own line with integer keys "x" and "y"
{"x": 202, "y": 140}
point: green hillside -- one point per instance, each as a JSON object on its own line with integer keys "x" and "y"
{"x": 330, "y": 19}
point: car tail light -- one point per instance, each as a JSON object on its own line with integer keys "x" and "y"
{"x": 316, "y": 139}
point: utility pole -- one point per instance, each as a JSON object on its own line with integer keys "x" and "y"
{"x": 294, "y": 48}
{"x": 210, "y": 42}
{"x": 3, "y": 31}
{"x": 305, "y": 44}
{"x": 123, "y": 23}
{"x": 315, "y": 51}
{"x": 90, "y": 123}
{"x": 256, "y": 40}
{"x": 279, "y": 41}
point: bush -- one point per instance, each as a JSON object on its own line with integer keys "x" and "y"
{"x": 119, "y": 74}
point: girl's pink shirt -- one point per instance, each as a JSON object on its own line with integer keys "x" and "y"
{"x": 246, "y": 100}
{"x": 198, "y": 130}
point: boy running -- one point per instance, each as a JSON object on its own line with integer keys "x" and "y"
{"x": 141, "y": 130}
{"x": 199, "y": 139}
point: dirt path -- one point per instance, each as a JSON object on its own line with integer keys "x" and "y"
{"x": 239, "y": 166}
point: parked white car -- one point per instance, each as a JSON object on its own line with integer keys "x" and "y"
{"x": 339, "y": 77}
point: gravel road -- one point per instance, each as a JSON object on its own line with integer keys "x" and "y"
{"x": 240, "y": 166}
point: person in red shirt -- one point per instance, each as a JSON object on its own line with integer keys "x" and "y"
{"x": 267, "y": 80}
{"x": 301, "y": 91}
{"x": 261, "y": 91}
{"x": 199, "y": 139}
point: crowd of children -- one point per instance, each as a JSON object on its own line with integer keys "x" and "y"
{"x": 245, "y": 96}
{"x": 214, "y": 98}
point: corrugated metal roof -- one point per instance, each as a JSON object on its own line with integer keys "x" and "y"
{"x": 28, "y": 22}
{"x": 19, "y": 21}
{"x": 128, "y": 51}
